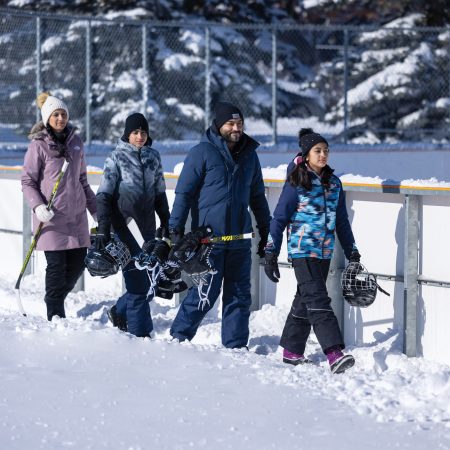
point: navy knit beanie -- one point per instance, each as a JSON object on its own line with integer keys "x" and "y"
{"x": 135, "y": 121}
{"x": 307, "y": 139}
{"x": 225, "y": 111}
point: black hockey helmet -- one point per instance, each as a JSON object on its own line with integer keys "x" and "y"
{"x": 359, "y": 286}
{"x": 107, "y": 261}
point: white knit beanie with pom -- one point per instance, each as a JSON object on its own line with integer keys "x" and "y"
{"x": 52, "y": 104}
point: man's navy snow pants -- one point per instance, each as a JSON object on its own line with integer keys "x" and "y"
{"x": 311, "y": 307}
{"x": 233, "y": 268}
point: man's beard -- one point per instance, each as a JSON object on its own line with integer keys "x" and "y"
{"x": 232, "y": 137}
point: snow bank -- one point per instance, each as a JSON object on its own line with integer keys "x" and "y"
{"x": 80, "y": 383}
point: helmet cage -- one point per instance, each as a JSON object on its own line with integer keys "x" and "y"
{"x": 359, "y": 287}
{"x": 107, "y": 261}
{"x": 119, "y": 252}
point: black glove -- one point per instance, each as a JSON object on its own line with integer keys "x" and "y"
{"x": 264, "y": 234}
{"x": 190, "y": 242}
{"x": 355, "y": 256}
{"x": 161, "y": 251}
{"x": 103, "y": 236}
{"x": 175, "y": 236}
{"x": 271, "y": 267}
{"x": 162, "y": 232}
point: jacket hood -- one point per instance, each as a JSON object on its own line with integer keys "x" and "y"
{"x": 147, "y": 144}
{"x": 126, "y": 146}
{"x": 40, "y": 132}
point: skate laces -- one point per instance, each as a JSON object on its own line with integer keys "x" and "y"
{"x": 153, "y": 269}
{"x": 204, "y": 278}
{"x": 156, "y": 271}
{"x": 153, "y": 274}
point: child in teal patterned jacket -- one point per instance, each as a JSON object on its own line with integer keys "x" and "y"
{"x": 312, "y": 207}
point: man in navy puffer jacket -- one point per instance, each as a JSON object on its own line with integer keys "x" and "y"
{"x": 221, "y": 178}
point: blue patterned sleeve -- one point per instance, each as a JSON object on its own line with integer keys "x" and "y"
{"x": 287, "y": 204}
{"x": 343, "y": 228}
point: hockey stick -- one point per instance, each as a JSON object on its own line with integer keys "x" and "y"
{"x": 232, "y": 237}
{"x": 37, "y": 234}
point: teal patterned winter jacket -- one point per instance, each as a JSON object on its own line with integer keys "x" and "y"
{"x": 312, "y": 218}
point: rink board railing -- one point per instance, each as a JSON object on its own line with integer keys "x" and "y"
{"x": 402, "y": 235}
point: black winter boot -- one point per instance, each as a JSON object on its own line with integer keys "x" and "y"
{"x": 55, "y": 307}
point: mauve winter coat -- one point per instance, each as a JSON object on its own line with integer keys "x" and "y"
{"x": 68, "y": 229}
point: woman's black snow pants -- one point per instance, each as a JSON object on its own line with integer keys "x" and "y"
{"x": 64, "y": 267}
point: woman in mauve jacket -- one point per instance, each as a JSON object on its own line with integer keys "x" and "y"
{"x": 65, "y": 234}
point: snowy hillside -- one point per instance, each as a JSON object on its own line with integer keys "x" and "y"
{"x": 79, "y": 383}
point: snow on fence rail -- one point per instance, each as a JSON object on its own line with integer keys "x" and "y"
{"x": 401, "y": 232}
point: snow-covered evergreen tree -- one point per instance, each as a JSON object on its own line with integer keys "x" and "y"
{"x": 398, "y": 84}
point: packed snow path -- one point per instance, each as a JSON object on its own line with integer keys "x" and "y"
{"x": 79, "y": 383}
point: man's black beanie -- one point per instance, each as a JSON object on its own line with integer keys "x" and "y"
{"x": 135, "y": 121}
{"x": 225, "y": 111}
{"x": 307, "y": 139}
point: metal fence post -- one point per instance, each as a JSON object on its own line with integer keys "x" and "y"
{"x": 26, "y": 235}
{"x": 254, "y": 273}
{"x": 410, "y": 289}
{"x": 274, "y": 85}
{"x": 334, "y": 288}
{"x": 145, "y": 78}
{"x": 207, "y": 76}
{"x": 38, "y": 63}
{"x": 88, "y": 82}
{"x": 79, "y": 285}
{"x": 345, "y": 85}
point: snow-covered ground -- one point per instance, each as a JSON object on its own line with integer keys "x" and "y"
{"x": 79, "y": 383}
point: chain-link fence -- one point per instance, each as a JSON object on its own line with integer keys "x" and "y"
{"x": 355, "y": 85}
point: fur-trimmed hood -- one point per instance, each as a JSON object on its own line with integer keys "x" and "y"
{"x": 39, "y": 131}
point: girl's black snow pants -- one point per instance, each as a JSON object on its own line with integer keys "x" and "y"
{"x": 311, "y": 307}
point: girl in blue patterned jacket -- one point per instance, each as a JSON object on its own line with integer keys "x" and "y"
{"x": 312, "y": 207}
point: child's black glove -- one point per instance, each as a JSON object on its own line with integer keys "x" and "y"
{"x": 355, "y": 256}
{"x": 271, "y": 267}
{"x": 103, "y": 235}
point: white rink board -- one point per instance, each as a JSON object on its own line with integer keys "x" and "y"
{"x": 378, "y": 224}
